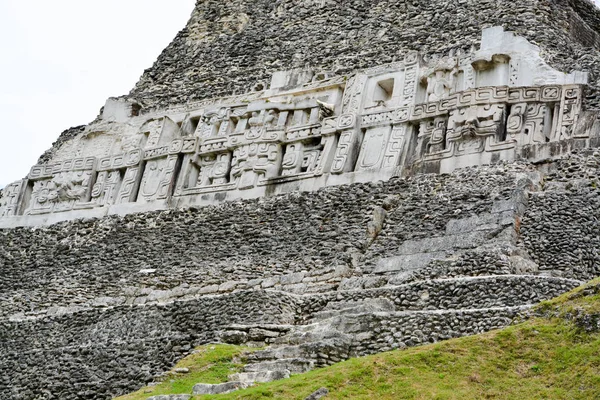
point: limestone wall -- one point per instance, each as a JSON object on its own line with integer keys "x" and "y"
{"x": 313, "y": 263}
{"x": 232, "y": 46}
{"x": 97, "y": 354}
{"x": 560, "y": 228}
{"x": 150, "y": 256}
{"x": 96, "y": 308}
{"x": 307, "y": 130}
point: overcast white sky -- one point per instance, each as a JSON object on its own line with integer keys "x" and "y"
{"x": 61, "y": 59}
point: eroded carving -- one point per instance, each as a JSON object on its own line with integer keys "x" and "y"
{"x": 492, "y": 101}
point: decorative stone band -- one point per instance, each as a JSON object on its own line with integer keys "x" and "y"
{"x": 412, "y": 115}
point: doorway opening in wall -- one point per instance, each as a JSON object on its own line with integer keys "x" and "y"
{"x": 135, "y": 110}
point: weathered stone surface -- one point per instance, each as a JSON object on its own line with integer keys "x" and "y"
{"x": 85, "y": 330}
{"x": 418, "y": 114}
{"x": 171, "y": 397}
{"x": 319, "y": 394}
{"x": 259, "y": 377}
{"x": 250, "y": 40}
{"x": 204, "y": 388}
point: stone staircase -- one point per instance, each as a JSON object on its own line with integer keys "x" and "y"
{"x": 344, "y": 324}
{"x": 362, "y": 322}
{"x": 471, "y": 279}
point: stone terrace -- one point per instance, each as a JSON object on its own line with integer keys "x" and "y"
{"x": 319, "y": 277}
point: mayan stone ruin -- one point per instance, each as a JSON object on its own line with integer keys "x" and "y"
{"x": 326, "y": 178}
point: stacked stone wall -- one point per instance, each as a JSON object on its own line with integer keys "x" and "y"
{"x": 230, "y": 47}
{"x": 122, "y": 258}
{"x": 90, "y": 311}
{"x": 74, "y": 356}
{"x": 560, "y": 228}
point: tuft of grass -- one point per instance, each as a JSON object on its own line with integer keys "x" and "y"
{"x": 584, "y": 299}
{"x": 546, "y": 357}
{"x": 208, "y": 364}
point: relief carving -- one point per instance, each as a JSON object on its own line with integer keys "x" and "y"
{"x": 106, "y": 188}
{"x": 210, "y": 169}
{"x": 440, "y": 78}
{"x": 469, "y": 127}
{"x": 389, "y": 117}
{"x": 9, "y": 200}
{"x": 60, "y": 193}
{"x": 254, "y": 163}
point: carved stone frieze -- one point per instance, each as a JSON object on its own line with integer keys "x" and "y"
{"x": 458, "y": 109}
{"x": 9, "y": 202}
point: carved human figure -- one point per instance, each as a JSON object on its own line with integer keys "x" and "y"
{"x": 60, "y": 193}
{"x": 475, "y": 120}
{"x": 208, "y": 125}
{"x": 213, "y": 169}
{"x": 68, "y": 186}
{"x": 270, "y": 118}
{"x": 438, "y": 135}
{"x": 440, "y": 79}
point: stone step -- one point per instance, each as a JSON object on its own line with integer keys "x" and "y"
{"x": 171, "y": 397}
{"x": 239, "y": 334}
{"x": 221, "y": 388}
{"x": 319, "y": 351}
{"x": 293, "y": 365}
{"x": 322, "y": 331}
{"x": 259, "y": 376}
{"x": 337, "y": 308}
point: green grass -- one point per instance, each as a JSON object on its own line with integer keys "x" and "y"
{"x": 210, "y": 364}
{"x": 585, "y": 299}
{"x": 543, "y": 358}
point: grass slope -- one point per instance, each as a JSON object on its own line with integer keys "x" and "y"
{"x": 550, "y": 357}
{"x": 209, "y": 364}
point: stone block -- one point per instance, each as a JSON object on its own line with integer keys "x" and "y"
{"x": 291, "y": 279}
{"x": 503, "y": 205}
{"x": 507, "y": 217}
{"x": 260, "y": 376}
{"x": 270, "y": 282}
{"x": 319, "y": 394}
{"x": 228, "y": 286}
{"x": 299, "y": 288}
{"x": 208, "y": 289}
{"x": 472, "y": 224}
{"x": 261, "y": 335}
{"x": 223, "y": 388}
{"x": 443, "y": 243}
{"x": 171, "y": 397}
{"x": 351, "y": 283}
{"x": 407, "y": 262}
{"x": 234, "y": 337}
